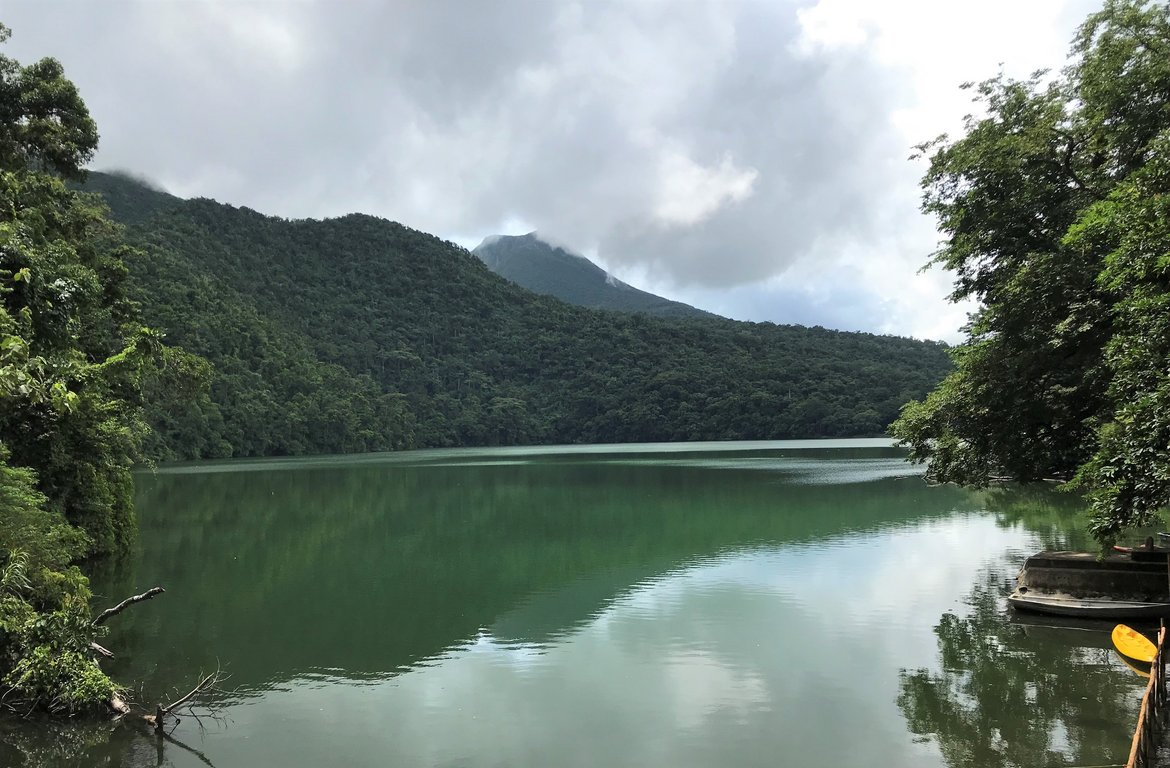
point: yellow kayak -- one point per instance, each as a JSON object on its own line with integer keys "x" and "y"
{"x": 1133, "y": 644}
{"x": 1134, "y": 665}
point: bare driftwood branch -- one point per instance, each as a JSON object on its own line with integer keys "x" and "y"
{"x": 204, "y": 684}
{"x": 100, "y": 650}
{"x": 195, "y": 703}
{"x": 186, "y": 702}
{"x": 111, "y": 612}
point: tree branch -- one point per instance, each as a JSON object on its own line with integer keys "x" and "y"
{"x": 1069, "y": 150}
{"x": 111, "y": 612}
{"x": 210, "y": 680}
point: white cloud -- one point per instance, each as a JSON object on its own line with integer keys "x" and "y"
{"x": 731, "y": 153}
{"x": 270, "y": 33}
{"x": 934, "y": 46}
{"x": 689, "y": 193}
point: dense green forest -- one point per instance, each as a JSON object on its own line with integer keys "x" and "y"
{"x": 1055, "y": 209}
{"x": 547, "y": 269}
{"x": 357, "y": 334}
{"x": 74, "y": 360}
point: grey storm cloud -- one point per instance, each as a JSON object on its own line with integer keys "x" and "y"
{"x": 699, "y": 142}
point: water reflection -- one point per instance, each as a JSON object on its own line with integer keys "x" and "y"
{"x": 602, "y": 608}
{"x": 1059, "y": 519}
{"x": 88, "y": 743}
{"x": 371, "y": 569}
{"x": 732, "y": 660}
{"x": 1018, "y": 691}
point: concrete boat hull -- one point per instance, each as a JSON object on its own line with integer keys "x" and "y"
{"x": 1093, "y": 608}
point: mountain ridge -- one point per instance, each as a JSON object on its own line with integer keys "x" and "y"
{"x": 542, "y": 267}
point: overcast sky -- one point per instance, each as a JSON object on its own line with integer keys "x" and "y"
{"x": 748, "y": 157}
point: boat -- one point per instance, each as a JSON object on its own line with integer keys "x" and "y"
{"x": 1133, "y": 665}
{"x": 1055, "y": 604}
{"x": 1147, "y": 552}
{"x": 1090, "y": 585}
{"x": 1133, "y": 644}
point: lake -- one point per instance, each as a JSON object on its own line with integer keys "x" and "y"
{"x": 701, "y": 604}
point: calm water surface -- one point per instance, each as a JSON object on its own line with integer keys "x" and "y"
{"x": 717, "y": 604}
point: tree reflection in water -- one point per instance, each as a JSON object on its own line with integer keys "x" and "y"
{"x": 1057, "y": 519}
{"x": 1014, "y": 691}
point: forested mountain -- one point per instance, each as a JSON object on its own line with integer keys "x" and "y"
{"x": 357, "y": 333}
{"x": 544, "y": 268}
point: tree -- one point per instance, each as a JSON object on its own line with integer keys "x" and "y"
{"x": 1129, "y": 477}
{"x": 75, "y": 354}
{"x": 44, "y": 124}
{"x": 73, "y": 359}
{"x": 1023, "y": 202}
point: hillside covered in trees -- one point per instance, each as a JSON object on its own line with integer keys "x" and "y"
{"x": 356, "y": 333}
{"x": 544, "y": 268}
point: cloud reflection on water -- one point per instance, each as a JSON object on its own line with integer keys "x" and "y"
{"x": 748, "y": 656}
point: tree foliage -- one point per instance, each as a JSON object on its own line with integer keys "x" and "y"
{"x": 1129, "y": 477}
{"x": 1050, "y": 206}
{"x": 73, "y": 361}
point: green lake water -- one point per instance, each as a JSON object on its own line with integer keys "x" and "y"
{"x": 714, "y": 604}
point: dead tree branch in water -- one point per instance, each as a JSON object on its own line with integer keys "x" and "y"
{"x": 186, "y": 702}
{"x": 111, "y": 612}
{"x": 206, "y": 684}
